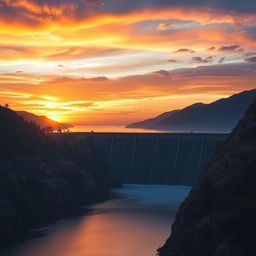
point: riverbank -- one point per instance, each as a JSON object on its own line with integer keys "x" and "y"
{"x": 43, "y": 178}
{"x": 132, "y": 223}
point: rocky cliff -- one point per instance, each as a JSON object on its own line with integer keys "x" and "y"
{"x": 219, "y": 216}
{"x": 43, "y": 178}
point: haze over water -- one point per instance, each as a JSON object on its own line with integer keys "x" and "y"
{"x": 135, "y": 223}
{"x": 101, "y": 128}
{"x": 122, "y": 129}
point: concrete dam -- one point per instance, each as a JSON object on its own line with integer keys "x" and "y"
{"x": 155, "y": 158}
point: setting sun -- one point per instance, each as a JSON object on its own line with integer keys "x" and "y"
{"x": 55, "y": 118}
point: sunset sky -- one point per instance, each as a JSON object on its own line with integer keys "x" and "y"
{"x": 119, "y": 61}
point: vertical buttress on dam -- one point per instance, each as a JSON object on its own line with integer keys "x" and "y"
{"x": 155, "y": 158}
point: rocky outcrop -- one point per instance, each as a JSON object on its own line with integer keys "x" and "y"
{"x": 43, "y": 178}
{"x": 219, "y": 216}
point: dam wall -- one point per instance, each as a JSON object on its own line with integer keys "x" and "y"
{"x": 155, "y": 158}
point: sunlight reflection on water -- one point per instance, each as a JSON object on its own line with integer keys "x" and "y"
{"x": 135, "y": 224}
{"x": 113, "y": 129}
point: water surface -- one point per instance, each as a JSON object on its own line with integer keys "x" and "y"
{"x": 135, "y": 223}
{"x": 122, "y": 129}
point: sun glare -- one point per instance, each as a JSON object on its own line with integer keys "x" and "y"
{"x": 55, "y": 118}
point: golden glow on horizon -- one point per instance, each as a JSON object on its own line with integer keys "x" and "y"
{"x": 119, "y": 101}
{"x": 55, "y": 118}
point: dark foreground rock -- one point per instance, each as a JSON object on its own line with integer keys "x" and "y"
{"x": 219, "y": 216}
{"x": 43, "y": 178}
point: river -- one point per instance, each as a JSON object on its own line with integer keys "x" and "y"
{"x": 136, "y": 222}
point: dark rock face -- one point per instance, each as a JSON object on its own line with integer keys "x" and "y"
{"x": 219, "y": 216}
{"x": 43, "y": 178}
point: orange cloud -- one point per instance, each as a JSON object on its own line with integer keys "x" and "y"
{"x": 164, "y": 26}
{"x": 109, "y": 40}
{"x": 44, "y": 10}
{"x": 27, "y": 14}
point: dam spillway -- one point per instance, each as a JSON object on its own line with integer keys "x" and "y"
{"x": 155, "y": 158}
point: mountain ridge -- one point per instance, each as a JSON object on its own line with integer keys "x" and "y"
{"x": 43, "y": 121}
{"x": 219, "y": 116}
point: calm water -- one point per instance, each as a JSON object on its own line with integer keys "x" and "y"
{"x": 112, "y": 129}
{"x": 136, "y": 223}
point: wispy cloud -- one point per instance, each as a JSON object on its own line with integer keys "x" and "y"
{"x": 164, "y": 26}
{"x": 230, "y": 48}
{"x": 184, "y": 50}
{"x": 251, "y": 59}
{"x": 208, "y": 59}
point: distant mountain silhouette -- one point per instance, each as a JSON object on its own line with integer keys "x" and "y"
{"x": 219, "y": 116}
{"x": 43, "y": 121}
